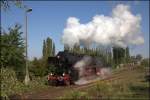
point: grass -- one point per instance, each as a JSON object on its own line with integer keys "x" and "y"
{"x": 75, "y": 95}
{"x": 132, "y": 85}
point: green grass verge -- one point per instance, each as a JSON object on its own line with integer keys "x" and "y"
{"x": 132, "y": 85}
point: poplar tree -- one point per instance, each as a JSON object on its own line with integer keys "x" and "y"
{"x": 44, "y": 49}
{"x": 118, "y": 55}
{"x": 53, "y": 52}
{"x": 48, "y": 47}
{"x": 127, "y": 54}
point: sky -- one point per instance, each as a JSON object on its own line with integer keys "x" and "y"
{"x": 48, "y": 19}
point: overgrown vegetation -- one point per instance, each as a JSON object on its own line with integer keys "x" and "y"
{"x": 75, "y": 95}
{"x": 40, "y": 67}
{"x": 145, "y": 62}
{"x": 132, "y": 86}
{"x": 12, "y": 51}
{"x": 12, "y": 62}
{"x": 10, "y": 84}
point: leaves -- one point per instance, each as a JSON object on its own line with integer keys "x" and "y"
{"x": 6, "y": 4}
{"x": 12, "y": 49}
{"x": 10, "y": 85}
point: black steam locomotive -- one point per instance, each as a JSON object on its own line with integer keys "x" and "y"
{"x": 65, "y": 72}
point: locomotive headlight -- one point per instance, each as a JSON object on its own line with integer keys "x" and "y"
{"x": 58, "y": 57}
{"x": 51, "y": 74}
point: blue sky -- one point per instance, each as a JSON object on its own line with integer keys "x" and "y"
{"x": 48, "y": 19}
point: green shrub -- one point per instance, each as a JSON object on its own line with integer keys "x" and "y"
{"x": 37, "y": 68}
{"x": 8, "y": 82}
{"x": 10, "y": 85}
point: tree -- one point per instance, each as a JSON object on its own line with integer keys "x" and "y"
{"x": 139, "y": 57}
{"x": 127, "y": 54}
{"x": 53, "y": 51}
{"x": 5, "y": 4}
{"x": 37, "y": 67}
{"x": 76, "y": 48}
{"x": 85, "y": 50}
{"x": 44, "y": 49}
{"x": 48, "y": 47}
{"x": 12, "y": 49}
{"x": 48, "y": 50}
{"x": 118, "y": 55}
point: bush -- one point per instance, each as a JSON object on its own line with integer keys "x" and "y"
{"x": 9, "y": 82}
{"x": 10, "y": 85}
{"x": 38, "y": 83}
{"x": 37, "y": 68}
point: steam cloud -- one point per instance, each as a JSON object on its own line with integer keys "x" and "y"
{"x": 122, "y": 28}
{"x": 85, "y": 62}
{"x": 80, "y": 65}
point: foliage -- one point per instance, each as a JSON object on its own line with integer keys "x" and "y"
{"x": 12, "y": 50}
{"x": 8, "y": 80}
{"x": 37, "y": 68}
{"x": 101, "y": 52}
{"x": 48, "y": 47}
{"x": 5, "y": 4}
{"x": 75, "y": 95}
{"x": 44, "y": 49}
{"x": 53, "y": 51}
{"x": 48, "y": 50}
{"x": 139, "y": 57}
{"x": 40, "y": 67}
{"x": 118, "y": 54}
{"x": 127, "y": 55}
{"x": 10, "y": 85}
{"x": 121, "y": 55}
{"x": 145, "y": 62}
{"x": 133, "y": 87}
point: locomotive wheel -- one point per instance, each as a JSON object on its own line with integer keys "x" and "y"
{"x": 67, "y": 83}
{"x": 49, "y": 82}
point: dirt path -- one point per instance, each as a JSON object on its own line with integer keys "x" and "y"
{"x": 55, "y": 92}
{"x": 51, "y": 92}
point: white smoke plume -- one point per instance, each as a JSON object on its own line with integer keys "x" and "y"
{"x": 105, "y": 72}
{"x": 80, "y": 65}
{"x": 83, "y": 64}
{"x": 122, "y": 28}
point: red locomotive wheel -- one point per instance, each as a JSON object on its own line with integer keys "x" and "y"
{"x": 67, "y": 82}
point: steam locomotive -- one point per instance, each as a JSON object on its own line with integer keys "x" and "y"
{"x": 65, "y": 73}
